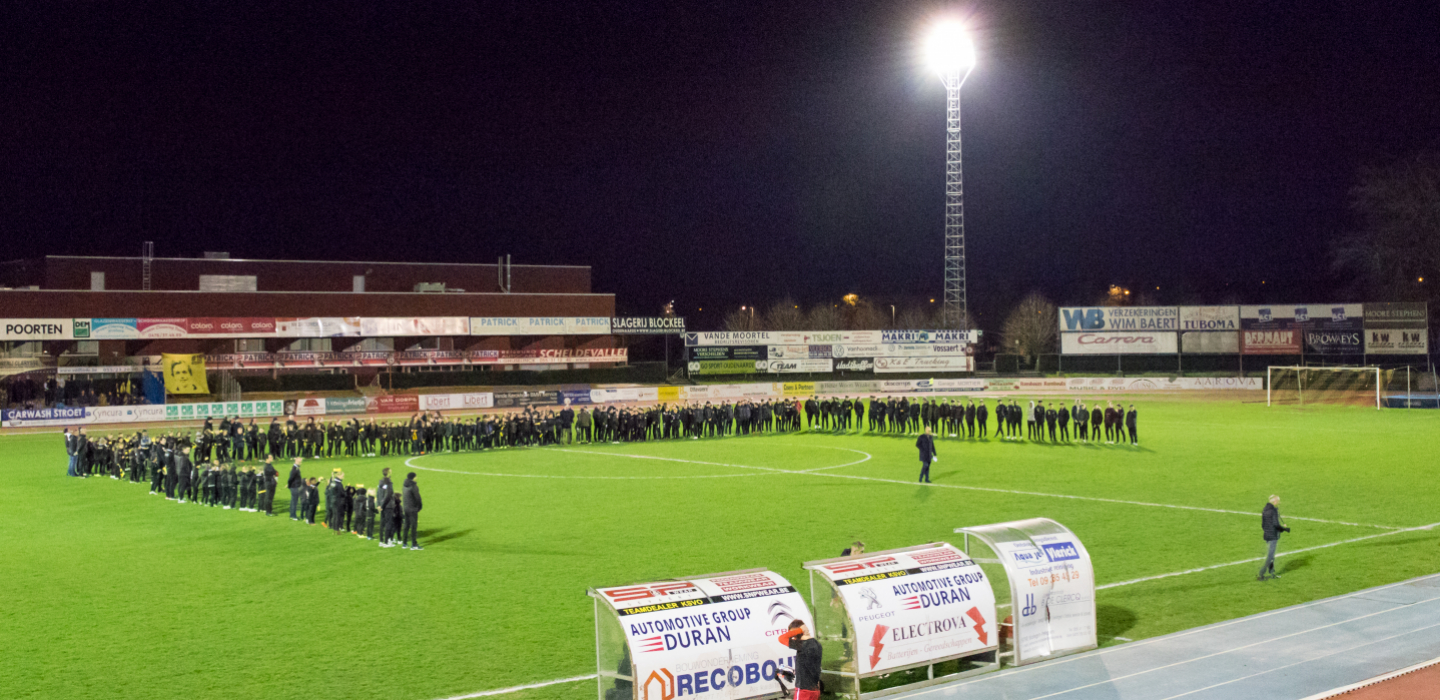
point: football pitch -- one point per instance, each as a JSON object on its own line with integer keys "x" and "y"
{"x": 111, "y": 593}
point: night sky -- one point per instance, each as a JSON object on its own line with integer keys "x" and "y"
{"x": 719, "y": 153}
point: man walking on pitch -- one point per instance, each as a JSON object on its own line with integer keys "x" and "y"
{"x": 926, "y": 444}
{"x": 296, "y": 483}
{"x": 1270, "y": 524}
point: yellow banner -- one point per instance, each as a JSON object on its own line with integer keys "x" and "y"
{"x": 184, "y": 374}
{"x": 669, "y": 393}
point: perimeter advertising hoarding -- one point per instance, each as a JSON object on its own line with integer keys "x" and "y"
{"x": 1118, "y": 343}
{"x": 715, "y": 367}
{"x": 1270, "y": 330}
{"x": 941, "y": 363}
{"x": 345, "y": 405}
{"x": 1074, "y": 319}
{"x": 747, "y": 338}
{"x": 540, "y": 325}
{"x": 1210, "y": 329}
{"x": 1332, "y": 329}
{"x": 798, "y": 352}
{"x": 798, "y": 366}
{"x": 861, "y": 364}
{"x": 315, "y": 327}
{"x": 520, "y": 399}
{"x": 912, "y": 607}
{"x": 456, "y": 402}
{"x": 1397, "y": 314}
{"x": 38, "y": 329}
{"x": 1209, "y": 318}
{"x": 729, "y": 352}
{"x": 414, "y": 325}
{"x": 50, "y": 417}
{"x": 711, "y": 638}
{"x": 822, "y": 337}
{"x": 394, "y": 403}
{"x": 702, "y": 392}
{"x": 249, "y": 327}
{"x": 931, "y": 336}
{"x": 114, "y": 328}
{"x": 659, "y": 325}
{"x": 1201, "y": 342}
{"x": 1397, "y": 341}
{"x": 1055, "y": 607}
{"x": 244, "y": 409}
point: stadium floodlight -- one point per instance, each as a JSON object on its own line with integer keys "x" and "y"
{"x": 952, "y": 55}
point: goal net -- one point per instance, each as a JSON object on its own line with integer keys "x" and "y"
{"x": 1298, "y": 386}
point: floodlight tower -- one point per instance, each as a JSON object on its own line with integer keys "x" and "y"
{"x": 953, "y": 56}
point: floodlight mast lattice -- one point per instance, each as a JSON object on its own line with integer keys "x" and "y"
{"x": 952, "y": 56}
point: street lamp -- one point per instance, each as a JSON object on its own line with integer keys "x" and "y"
{"x": 951, "y": 54}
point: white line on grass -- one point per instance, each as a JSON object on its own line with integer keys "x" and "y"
{"x": 412, "y": 465}
{"x": 502, "y": 691}
{"x": 971, "y": 488}
{"x": 1255, "y": 559}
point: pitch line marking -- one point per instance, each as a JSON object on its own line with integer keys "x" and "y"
{"x": 1227, "y": 651}
{"x": 410, "y": 463}
{"x": 1177, "y": 635}
{"x": 982, "y": 488}
{"x": 502, "y": 691}
{"x": 1298, "y": 663}
{"x": 1255, "y": 559}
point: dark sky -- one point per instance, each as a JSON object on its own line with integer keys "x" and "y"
{"x": 718, "y": 153}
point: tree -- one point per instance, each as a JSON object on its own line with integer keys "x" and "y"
{"x": 867, "y": 317}
{"x": 743, "y": 319}
{"x": 1398, "y": 242}
{"x": 785, "y": 315}
{"x": 823, "y": 317}
{"x": 913, "y": 318}
{"x": 1031, "y": 327}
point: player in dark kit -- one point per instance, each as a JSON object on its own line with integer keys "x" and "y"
{"x": 1130, "y": 425}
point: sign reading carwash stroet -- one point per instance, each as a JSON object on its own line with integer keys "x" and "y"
{"x": 1054, "y": 589}
{"x": 914, "y": 606}
{"x": 708, "y": 638}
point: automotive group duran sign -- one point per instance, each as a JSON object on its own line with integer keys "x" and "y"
{"x": 713, "y": 638}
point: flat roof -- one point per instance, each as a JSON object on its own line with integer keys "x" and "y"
{"x": 263, "y": 260}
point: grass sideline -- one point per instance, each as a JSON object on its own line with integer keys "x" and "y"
{"x": 117, "y": 594}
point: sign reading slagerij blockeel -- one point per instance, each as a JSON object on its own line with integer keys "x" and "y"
{"x": 710, "y": 638}
{"x": 916, "y": 606}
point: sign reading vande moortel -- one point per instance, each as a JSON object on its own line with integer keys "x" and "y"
{"x": 711, "y": 638}
{"x": 913, "y": 607}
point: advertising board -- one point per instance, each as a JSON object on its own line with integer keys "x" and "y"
{"x": 1056, "y": 602}
{"x": 540, "y": 325}
{"x": 716, "y": 367}
{"x": 798, "y": 366}
{"x": 661, "y": 325}
{"x": 457, "y": 402}
{"x": 1397, "y": 341}
{"x": 941, "y": 363}
{"x": 711, "y": 638}
{"x": 1076, "y": 319}
{"x": 1209, "y": 318}
{"x": 1397, "y": 314}
{"x": 38, "y": 328}
{"x": 414, "y": 326}
{"x": 1269, "y": 330}
{"x": 905, "y": 337}
{"x": 520, "y": 399}
{"x": 1210, "y": 342}
{"x": 392, "y": 403}
{"x": 114, "y": 328}
{"x": 855, "y": 365}
{"x": 345, "y": 405}
{"x": 1118, "y": 343}
{"x": 314, "y": 327}
{"x": 729, "y": 352}
{"x": 915, "y": 606}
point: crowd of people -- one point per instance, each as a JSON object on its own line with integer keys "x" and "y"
{"x": 173, "y": 468}
{"x": 32, "y": 393}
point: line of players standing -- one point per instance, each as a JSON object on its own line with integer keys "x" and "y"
{"x": 173, "y": 468}
{"x": 970, "y": 417}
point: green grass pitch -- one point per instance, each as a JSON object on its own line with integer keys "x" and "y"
{"x": 110, "y": 593}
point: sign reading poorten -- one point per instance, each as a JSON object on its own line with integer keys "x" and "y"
{"x": 710, "y": 638}
{"x": 913, "y": 606}
{"x": 647, "y": 325}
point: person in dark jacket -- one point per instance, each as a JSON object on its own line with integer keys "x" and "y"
{"x": 296, "y": 484}
{"x": 410, "y": 497}
{"x": 807, "y": 660}
{"x": 926, "y": 444}
{"x": 1130, "y": 425}
{"x": 268, "y": 479}
{"x": 1272, "y": 527}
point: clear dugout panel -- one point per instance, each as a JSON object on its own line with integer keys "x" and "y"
{"x": 612, "y": 657}
{"x": 832, "y": 627}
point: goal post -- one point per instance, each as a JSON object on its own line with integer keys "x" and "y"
{"x": 1297, "y": 386}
